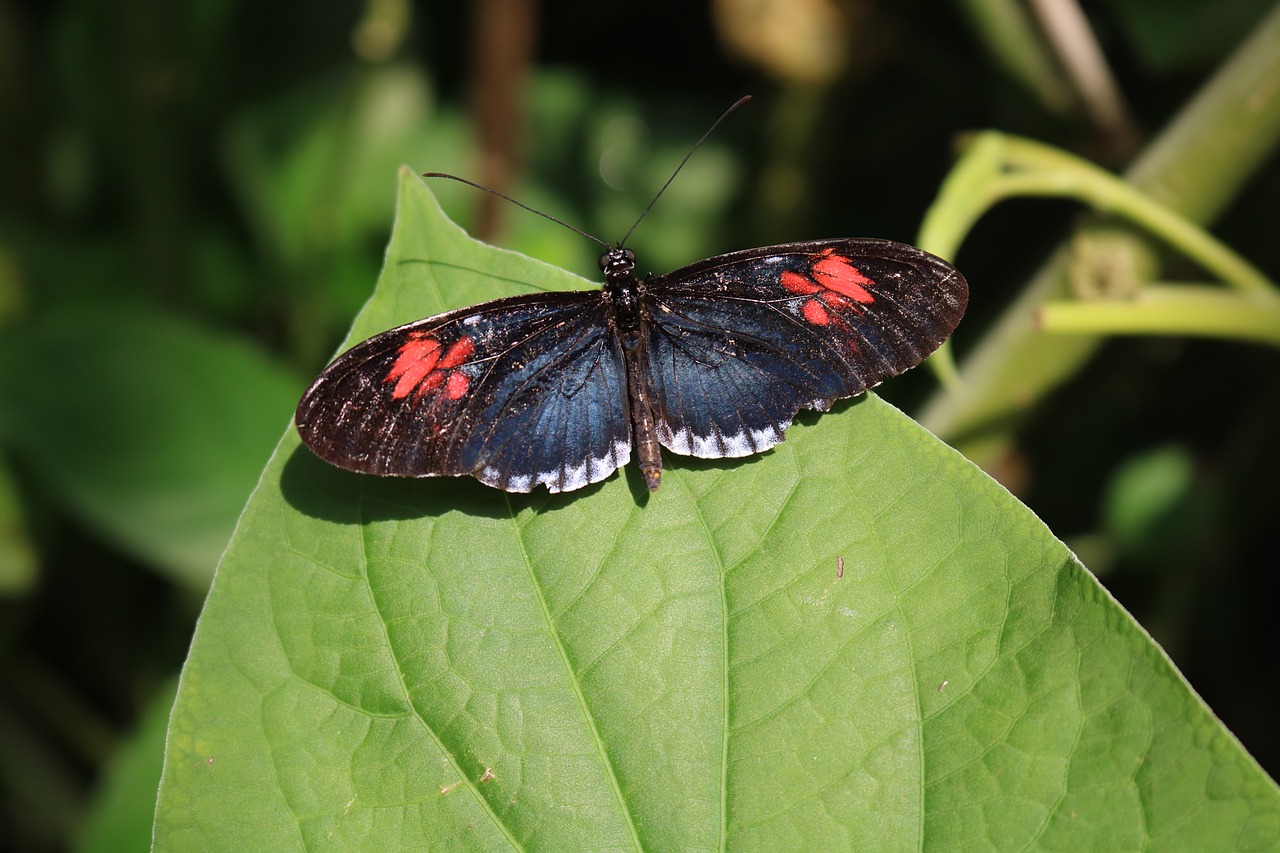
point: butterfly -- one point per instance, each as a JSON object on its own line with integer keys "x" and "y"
{"x": 713, "y": 360}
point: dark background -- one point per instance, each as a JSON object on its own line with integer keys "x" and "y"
{"x": 227, "y": 170}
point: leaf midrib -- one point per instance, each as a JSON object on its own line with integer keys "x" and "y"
{"x": 574, "y": 680}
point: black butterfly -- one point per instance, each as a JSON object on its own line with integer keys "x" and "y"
{"x": 713, "y": 360}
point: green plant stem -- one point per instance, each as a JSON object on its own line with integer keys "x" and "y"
{"x": 1201, "y": 311}
{"x": 981, "y": 181}
{"x": 962, "y": 198}
{"x": 1077, "y": 179}
{"x": 1195, "y": 167}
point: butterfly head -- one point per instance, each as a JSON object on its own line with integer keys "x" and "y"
{"x": 618, "y": 263}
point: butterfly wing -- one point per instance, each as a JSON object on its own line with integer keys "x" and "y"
{"x": 739, "y": 343}
{"x": 515, "y": 392}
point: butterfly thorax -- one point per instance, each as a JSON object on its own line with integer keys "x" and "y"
{"x": 621, "y": 289}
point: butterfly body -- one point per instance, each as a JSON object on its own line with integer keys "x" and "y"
{"x": 713, "y": 360}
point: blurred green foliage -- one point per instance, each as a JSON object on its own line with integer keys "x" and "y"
{"x": 194, "y": 199}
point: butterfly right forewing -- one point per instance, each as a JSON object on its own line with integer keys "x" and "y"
{"x": 739, "y": 343}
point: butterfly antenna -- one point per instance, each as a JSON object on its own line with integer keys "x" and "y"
{"x": 695, "y": 147}
{"x": 516, "y": 203}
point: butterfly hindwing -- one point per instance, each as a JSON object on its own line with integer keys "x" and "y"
{"x": 739, "y": 343}
{"x": 517, "y": 392}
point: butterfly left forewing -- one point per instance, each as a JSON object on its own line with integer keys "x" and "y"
{"x": 517, "y": 392}
{"x": 738, "y": 344}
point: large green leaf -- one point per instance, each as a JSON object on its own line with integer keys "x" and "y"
{"x": 392, "y": 664}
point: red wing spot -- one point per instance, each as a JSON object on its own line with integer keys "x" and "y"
{"x": 457, "y": 385}
{"x": 420, "y": 367}
{"x": 458, "y": 353}
{"x": 408, "y": 381}
{"x": 431, "y": 383}
{"x": 837, "y": 273}
{"x": 815, "y": 313}
{"x": 415, "y": 354}
{"x": 417, "y": 359}
{"x": 838, "y": 301}
{"x": 797, "y": 283}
